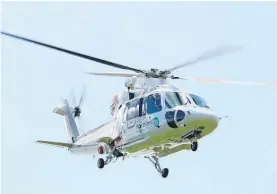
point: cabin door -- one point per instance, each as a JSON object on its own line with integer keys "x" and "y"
{"x": 131, "y": 118}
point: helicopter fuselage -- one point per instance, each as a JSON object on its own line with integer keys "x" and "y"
{"x": 178, "y": 125}
{"x": 157, "y": 121}
{"x": 163, "y": 124}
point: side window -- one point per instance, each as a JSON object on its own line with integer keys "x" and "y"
{"x": 199, "y": 101}
{"x": 154, "y": 103}
{"x": 173, "y": 99}
{"x": 132, "y": 110}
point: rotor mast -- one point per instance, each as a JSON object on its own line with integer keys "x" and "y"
{"x": 145, "y": 83}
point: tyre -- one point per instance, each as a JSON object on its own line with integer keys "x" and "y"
{"x": 165, "y": 172}
{"x": 194, "y": 146}
{"x": 100, "y": 163}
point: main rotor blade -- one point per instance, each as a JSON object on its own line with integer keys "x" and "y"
{"x": 119, "y": 74}
{"x": 75, "y": 53}
{"x": 207, "y": 55}
{"x": 220, "y": 81}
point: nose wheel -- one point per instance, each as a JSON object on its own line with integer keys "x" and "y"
{"x": 194, "y": 146}
{"x": 164, "y": 172}
{"x": 193, "y": 136}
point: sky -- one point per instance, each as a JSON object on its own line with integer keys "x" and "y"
{"x": 238, "y": 157}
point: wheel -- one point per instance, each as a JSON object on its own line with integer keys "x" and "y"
{"x": 165, "y": 172}
{"x": 194, "y": 146}
{"x": 100, "y": 163}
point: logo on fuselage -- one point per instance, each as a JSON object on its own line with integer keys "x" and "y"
{"x": 149, "y": 124}
{"x": 156, "y": 121}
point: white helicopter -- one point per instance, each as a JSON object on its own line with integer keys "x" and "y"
{"x": 151, "y": 118}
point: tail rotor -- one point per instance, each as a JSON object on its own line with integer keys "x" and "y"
{"x": 77, "y": 107}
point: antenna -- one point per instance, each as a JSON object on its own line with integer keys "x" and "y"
{"x": 82, "y": 131}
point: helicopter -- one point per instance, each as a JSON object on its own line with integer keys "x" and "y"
{"x": 150, "y": 118}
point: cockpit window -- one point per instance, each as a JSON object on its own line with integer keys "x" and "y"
{"x": 173, "y": 99}
{"x": 199, "y": 101}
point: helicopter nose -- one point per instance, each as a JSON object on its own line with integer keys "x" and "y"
{"x": 205, "y": 118}
{"x": 199, "y": 118}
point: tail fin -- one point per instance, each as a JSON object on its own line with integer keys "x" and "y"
{"x": 70, "y": 124}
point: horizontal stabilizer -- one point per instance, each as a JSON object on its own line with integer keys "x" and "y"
{"x": 58, "y": 144}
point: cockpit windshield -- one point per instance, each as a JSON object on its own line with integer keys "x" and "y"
{"x": 199, "y": 101}
{"x": 173, "y": 99}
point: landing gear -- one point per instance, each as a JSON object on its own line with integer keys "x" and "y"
{"x": 194, "y": 146}
{"x": 193, "y": 136}
{"x": 154, "y": 159}
{"x": 165, "y": 172}
{"x": 100, "y": 163}
{"x": 114, "y": 154}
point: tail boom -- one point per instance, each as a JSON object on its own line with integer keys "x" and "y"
{"x": 70, "y": 124}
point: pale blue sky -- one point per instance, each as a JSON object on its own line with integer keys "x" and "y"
{"x": 239, "y": 157}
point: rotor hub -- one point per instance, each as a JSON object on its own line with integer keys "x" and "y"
{"x": 77, "y": 112}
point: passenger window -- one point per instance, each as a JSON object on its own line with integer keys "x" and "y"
{"x": 154, "y": 103}
{"x": 132, "y": 110}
